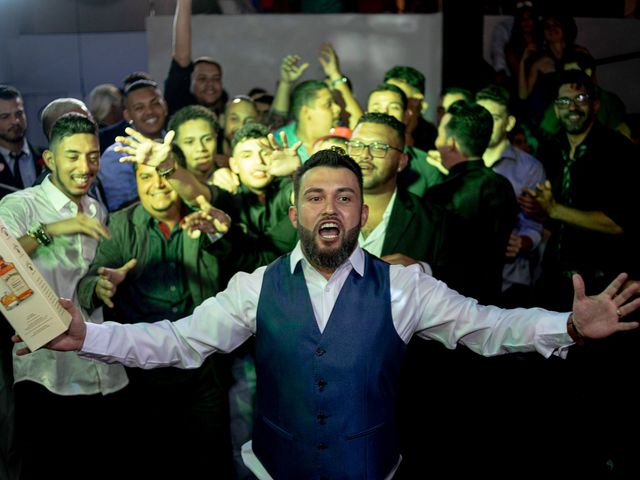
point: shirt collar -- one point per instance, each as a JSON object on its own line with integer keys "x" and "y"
{"x": 356, "y": 259}
{"x": 60, "y": 201}
{"x": 25, "y": 149}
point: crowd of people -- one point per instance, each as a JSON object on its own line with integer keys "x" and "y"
{"x": 335, "y": 289}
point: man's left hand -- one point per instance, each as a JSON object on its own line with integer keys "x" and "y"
{"x": 599, "y": 316}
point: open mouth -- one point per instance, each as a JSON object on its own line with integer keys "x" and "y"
{"x": 329, "y": 230}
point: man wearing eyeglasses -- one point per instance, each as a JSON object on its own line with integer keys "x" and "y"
{"x": 588, "y": 203}
{"x": 592, "y": 175}
{"x": 402, "y": 228}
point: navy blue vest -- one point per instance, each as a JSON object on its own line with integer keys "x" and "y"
{"x": 326, "y": 401}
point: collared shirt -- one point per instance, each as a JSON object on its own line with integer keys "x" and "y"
{"x": 419, "y": 305}
{"x": 523, "y": 171}
{"x": 118, "y": 179}
{"x": 62, "y": 263}
{"x": 374, "y": 242}
{"x": 27, "y": 165}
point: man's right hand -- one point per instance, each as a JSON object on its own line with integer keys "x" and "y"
{"x": 81, "y": 223}
{"x": 109, "y": 280}
{"x": 291, "y": 68}
{"x": 71, "y": 340}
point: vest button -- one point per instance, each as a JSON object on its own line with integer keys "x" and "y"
{"x": 322, "y": 418}
{"x": 321, "y": 384}
{"x": 322, "y": 446}
{"x": 320, "y": 351}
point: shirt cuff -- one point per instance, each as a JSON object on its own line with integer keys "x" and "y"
{"x": 552, "y": 337}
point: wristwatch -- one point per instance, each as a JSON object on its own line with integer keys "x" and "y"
{"x": 166, "y": 172}
{"x": 39, "y": 233}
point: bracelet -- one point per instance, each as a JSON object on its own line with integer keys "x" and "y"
{"x": 166, "y": 172}
{"x": 339, "y": 80}
{"x": 573, "y": 331}
{"x": 39, "y": 233}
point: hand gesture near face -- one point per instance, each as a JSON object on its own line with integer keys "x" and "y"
{"x": 142, "y": 150}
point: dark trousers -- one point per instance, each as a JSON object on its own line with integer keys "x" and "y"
{"x": 75, "y": 437}
{"x": 178, "y": 424}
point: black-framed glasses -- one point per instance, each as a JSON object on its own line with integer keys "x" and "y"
{"x": 376, "y": 149}
{"x": 579, "y": 100}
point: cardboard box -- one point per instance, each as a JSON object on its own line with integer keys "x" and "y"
{"x": 26, "y": 299}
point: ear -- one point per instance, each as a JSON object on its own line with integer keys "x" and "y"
{"x": 49, "y": 160}
{"x": 364, "y": 215}
{"x": 125, "y": 114}
{"x": 293, "y": 215}
{"x": 425, "y": 106}
{"x": 511, "y": 122}
{"x": 403, "y": 162}
{"x": 596, "y": 106}
{"x": 233, "y": 165}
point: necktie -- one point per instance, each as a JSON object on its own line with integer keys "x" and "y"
{"x": 16, "y": 169}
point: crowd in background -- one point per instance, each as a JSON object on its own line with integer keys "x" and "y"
{"x": 517, "y": 186}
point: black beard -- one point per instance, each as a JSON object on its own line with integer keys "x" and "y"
{"x": 576, "y": 128}
{"x": 327, "y": 259}
{"x": 17, "y": 137}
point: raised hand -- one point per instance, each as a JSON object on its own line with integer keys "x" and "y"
{"x": 280, "y": 158}
{"x": 329, "y": 61}
{"x": 291, "y": 68}
{"x": 71, "y": 340}
{"x": 599, "y": 316}
{"x": 81, "y": 223}
{"x": 109, "y": 280}
{"x": 208, "y": 219}
{"x": 142, "y": 150}
{"x": 225, "y": 179}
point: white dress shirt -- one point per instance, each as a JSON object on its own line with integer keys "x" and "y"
{"x": 420, "y": 305}
{"x": 374, "y": 242}
{"x": 62, "y": 263}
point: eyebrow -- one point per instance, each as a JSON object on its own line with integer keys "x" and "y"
{"x": 70, "y": 150}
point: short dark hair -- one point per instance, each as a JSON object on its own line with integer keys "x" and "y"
{"x": 303, "y": 94}
{"x": 7, "y": 92}
{"x": 409, "y": 75}
{"x": 497, "y": 94}
{"x": 139, "y": 84}
{"x": 208, "y": 60}
{"x": 69, "y": 124}
{"x": 465, "y": 92}
{"x": 134, "y": 77}
{"x": 193, "y": 112}
{"x": 471, "y": 125}
{"x": 388, "y": 87}
{"x": 384, "y": 119}
{"x": 327, "y": 158}
{"x": 577, "y": 78}
{"x": 249, "y": 132}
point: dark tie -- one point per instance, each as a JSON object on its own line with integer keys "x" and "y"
{"x": 16, "y": 168}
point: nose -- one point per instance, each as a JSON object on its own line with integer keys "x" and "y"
{"x": 203, "y": 146}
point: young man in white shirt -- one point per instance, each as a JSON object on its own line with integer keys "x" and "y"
{"x": 59, "y": 226}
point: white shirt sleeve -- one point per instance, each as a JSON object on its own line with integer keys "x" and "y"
{"x": 422, "y": 305}
{"x": 219, "y": 324}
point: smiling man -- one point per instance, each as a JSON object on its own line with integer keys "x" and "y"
{"x": 149, "y": 270}
{"x": 19, "y": 161}
{"x": 146, "y": 111}
{"x": 59, "y": 226}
